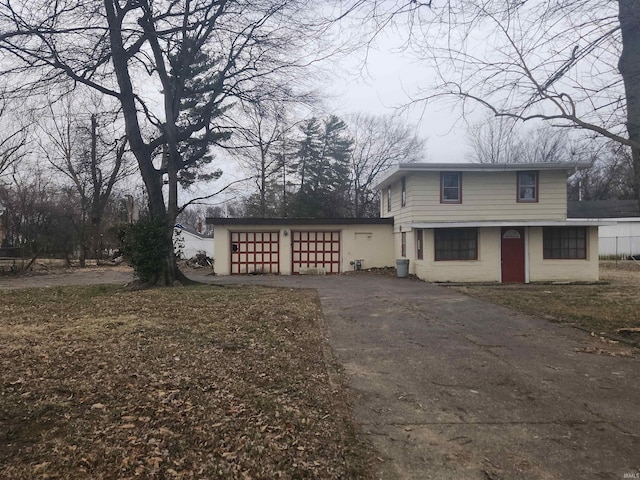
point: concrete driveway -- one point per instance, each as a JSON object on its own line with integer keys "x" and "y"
{"x": 451, "y": 387}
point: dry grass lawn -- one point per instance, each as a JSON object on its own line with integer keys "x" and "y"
{"x": 198, "y": 382}
{"x": 601, "y": 308}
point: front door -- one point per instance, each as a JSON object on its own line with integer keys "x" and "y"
{"x": 512, "y": 246}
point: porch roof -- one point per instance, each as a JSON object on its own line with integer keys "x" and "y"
{"x": 511, "y": 223}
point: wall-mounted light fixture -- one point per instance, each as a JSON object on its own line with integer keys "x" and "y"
{"x": 285, "y": 232}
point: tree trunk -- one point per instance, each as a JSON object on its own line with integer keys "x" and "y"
{"x": 629, "y": 67}
{"x": 152, "y": 177}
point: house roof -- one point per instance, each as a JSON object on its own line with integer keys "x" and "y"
{"x": 603, "y": 209}
{"x": 403, "y": 168}
{"x": 192, "y": 231}
{"x": 298, "y": 221}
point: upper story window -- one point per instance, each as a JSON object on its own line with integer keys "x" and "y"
{"x": 389, "y": 198}
{"x": 527, "y": 186}
{"x": 403, "y": 198}
{"x": 451, "y": 187}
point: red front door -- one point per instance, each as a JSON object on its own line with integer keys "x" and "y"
{"x": 512, "y": 246}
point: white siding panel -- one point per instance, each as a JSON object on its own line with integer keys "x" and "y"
{"x": 485, "y": 269}
{"x": 543, "y": 270}
{"x": 485, "y": 196}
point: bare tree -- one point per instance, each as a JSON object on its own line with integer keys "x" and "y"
{"x": 571, "y": 63}
{"x": 260, "y": 132}
{"x": 501, "y": 140}
{"x": 13, "y": 139}
{"x": 610, "y": 176}
{"x": 38, "y": 215}
{"x": 82, "y": 142}
{"x": 174, "y": 67}
{"x": 379, "y": 142}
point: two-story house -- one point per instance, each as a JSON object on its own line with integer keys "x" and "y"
{"x": 488, "y": 222}
{"x": 453, "y": 222}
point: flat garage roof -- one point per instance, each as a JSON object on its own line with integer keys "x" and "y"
{"x": 298, "y": 221}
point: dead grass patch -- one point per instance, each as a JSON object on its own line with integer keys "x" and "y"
{"x": 601, "y": 308}
{"x": 195, "y": 382}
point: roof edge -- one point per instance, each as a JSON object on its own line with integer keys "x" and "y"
{"x": 298, "y": 221}
{"x": 512, "y": 223}
{"x": 476, "y": 167}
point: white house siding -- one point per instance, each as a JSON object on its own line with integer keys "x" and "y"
{"x": 542, "y": 270}
{"x": 622, "y": 239}
{"x": 485, "y": 269}
{"x": 192, "y": 244}
{"x": 368, "y": 243}
{"x": 485, "y": 196}
{"x": 397, "y": 210}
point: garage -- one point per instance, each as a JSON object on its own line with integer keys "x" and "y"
{"x": 254, "y": 252}
{"x": 285, "y": 246}
{"x": 315, "y": 250}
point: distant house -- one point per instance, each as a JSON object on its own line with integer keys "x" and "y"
{"x": 622, "y": 237}
{"x": 452, "y": 222}
{"x": 191, "y": 241}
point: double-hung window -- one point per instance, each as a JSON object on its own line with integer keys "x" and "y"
{"x": 527, "y": 187}
{"x": 451, "y": 187}
{"x": 389, "y": 198}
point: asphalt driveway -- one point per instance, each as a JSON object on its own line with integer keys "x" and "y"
{"x": 452, "y": 387}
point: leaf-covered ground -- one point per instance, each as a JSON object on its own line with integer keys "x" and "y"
{"x": 198, "y": 382}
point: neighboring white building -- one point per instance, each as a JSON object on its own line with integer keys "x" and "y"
{"x": 192, "y": 242}
{"x": 622, "y": 239}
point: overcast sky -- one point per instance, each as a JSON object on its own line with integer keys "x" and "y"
{"x": 386, "y": 84}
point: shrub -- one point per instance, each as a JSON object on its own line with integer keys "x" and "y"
{"x": 144, "y": 245}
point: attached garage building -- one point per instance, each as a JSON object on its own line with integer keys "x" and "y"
{"x": 299, "y": 246}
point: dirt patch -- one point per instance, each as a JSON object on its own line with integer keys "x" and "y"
{"x": 195, "y": 382}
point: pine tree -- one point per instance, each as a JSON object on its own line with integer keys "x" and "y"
{"x": 323, "y": 169}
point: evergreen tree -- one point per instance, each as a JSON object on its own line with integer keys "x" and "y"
{"x": 323, "y": 169}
